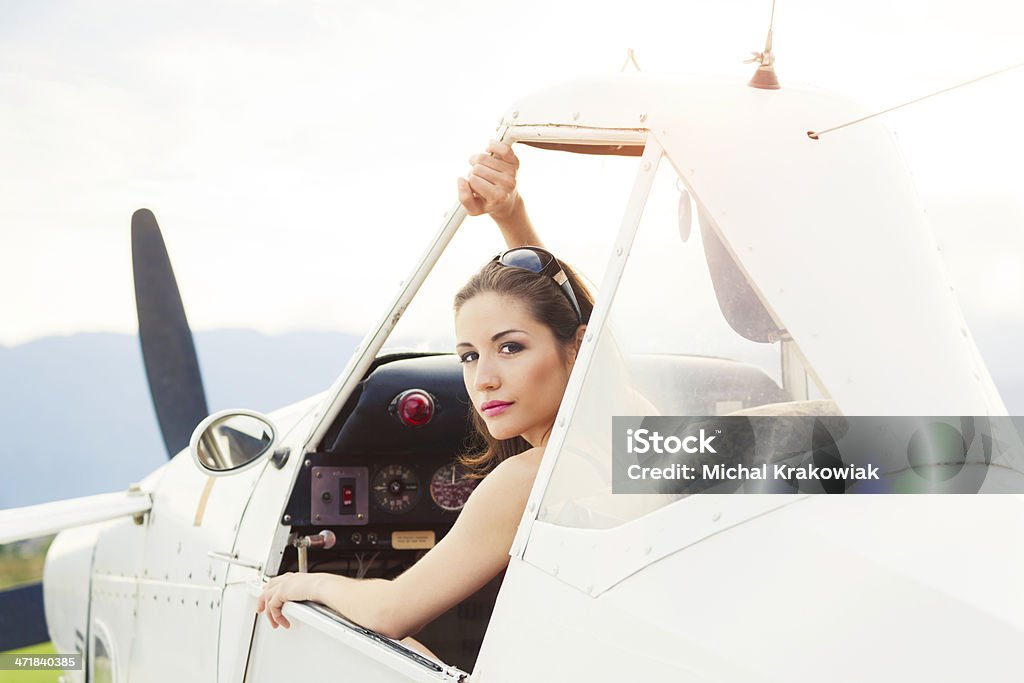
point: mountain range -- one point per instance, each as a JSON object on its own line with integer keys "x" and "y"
{"x": 77, "y": 418}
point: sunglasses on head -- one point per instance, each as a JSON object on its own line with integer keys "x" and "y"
{"x": 542, "y": 262}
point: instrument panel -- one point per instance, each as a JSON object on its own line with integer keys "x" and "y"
{"x": 387, "y": 476}
{"x": 348, "y": 496}
{"x": 372, "y": 502}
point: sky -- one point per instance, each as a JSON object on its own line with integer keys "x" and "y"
{"x": 300, "y": 155}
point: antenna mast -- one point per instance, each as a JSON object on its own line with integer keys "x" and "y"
{"x": 765, "y": 78}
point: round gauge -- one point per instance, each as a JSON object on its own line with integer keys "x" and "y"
{"x": 395, "y": 489}
{"x": 450, "y": 488}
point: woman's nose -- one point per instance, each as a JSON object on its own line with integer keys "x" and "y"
{"x": 486, "y": 376}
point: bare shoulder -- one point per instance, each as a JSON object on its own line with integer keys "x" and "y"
{"x": 509, "y": 484}
{"x": 516, "y": 471}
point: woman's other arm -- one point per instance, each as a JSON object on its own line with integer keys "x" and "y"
{"x": 470, "y": 555}
{"x": 491, "y": 188}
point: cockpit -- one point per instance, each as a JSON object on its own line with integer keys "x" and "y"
{"x": 385, "y": 479}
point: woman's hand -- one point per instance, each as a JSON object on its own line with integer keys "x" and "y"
{"x": 490, "y": 186}
{"x": 285, "y": 588}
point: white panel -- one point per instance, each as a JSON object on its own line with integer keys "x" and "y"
{"x": 117, "y": 567}
{"x": 872, "y": 588}
{"x": 113, "y": 610}
{"x": 179, "y": 601}
{"x": 238, "y": 620}
{"x": 847, "y": 589}
{"x": 319, "y": 647}
{"x": 544, "y": 630}
{"x": 179, "y": 628}
{"x": 66, "y": 591}
{"x": 594, "y": 560}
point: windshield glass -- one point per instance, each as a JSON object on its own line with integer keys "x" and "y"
{"x": 686, "y": 335}
{"x": 574, "y": 201}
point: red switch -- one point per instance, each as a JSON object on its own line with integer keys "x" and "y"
{"x": 348, "y": 496}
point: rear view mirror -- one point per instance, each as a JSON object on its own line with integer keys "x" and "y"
{"x": 231, "y": 440}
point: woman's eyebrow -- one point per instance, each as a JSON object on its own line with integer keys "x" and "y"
{"x": 507, "y": 332}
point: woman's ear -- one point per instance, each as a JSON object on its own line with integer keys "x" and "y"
{"x": 577, "y": 344}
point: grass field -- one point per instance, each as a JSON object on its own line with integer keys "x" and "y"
{"x": 23, "y": 562}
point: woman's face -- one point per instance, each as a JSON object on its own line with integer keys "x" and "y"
{"x": 513, "y": 366}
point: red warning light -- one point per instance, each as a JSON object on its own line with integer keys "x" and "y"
{"x": 414, "y": 407}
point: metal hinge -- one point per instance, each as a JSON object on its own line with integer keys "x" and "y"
{"x": 235, "y": 559}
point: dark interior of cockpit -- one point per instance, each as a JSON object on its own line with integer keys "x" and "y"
{"x": 387, "y": 483}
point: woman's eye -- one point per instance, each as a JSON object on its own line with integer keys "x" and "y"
{"x": 467, "y": 357}
{"x": 510, "y": 347}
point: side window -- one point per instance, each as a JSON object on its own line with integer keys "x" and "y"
{"x": 574, "y": 201}
{"x": 686, "y": 334}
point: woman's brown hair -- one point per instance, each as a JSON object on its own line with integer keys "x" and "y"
{"x": 548, "y": 304}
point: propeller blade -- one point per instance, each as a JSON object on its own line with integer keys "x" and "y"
{"x": 172, "y": 367}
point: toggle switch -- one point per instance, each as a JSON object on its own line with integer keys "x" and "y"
{"x": 347, "y": 502}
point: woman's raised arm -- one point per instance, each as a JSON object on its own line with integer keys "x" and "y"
{"x": 491, "y": 188}
{"x": 471, "y": 554}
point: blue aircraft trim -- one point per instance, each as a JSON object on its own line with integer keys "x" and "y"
{"x": 22, "y": 619}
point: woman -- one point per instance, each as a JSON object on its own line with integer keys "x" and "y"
{"x": 518, "y": 332}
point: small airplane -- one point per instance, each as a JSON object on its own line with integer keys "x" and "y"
{"x": 756, "y": 269}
